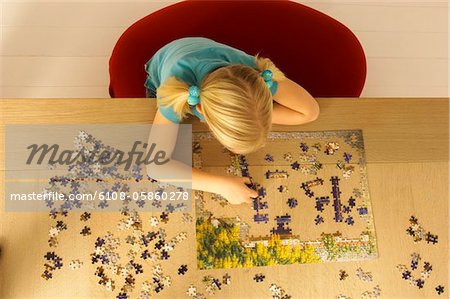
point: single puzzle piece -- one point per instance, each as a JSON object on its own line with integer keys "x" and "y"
{"x": 340, "y": 164}
{"x": 259, "y": 277}
{"x": 53, "y": 232}
{"x": 146, "y": 286}
{"x": 376, "y": 291}
{"x": 295, "y": 165}
{"x": 318, "y": 220}
{"x": 258, "y": 218}
{"x": 406, "y": 275}
{"x": 347, "y": 157}
{"x": 427, "y": 266}
{"x": 349, "y": 220}
{"x": 316, "y": 147}
{"x": 348, "y": 171}
{"x": 226, "y": 279}
{"x": 182, "y": 269}
{"x": 276, "y": 174}
{"x": 292, "y": 202}
{"x": 364, "y": 276}
{"x": 401, "y": 267}
{"x": 366, "y": 295}
{"x": 268, "y": 158}
{"x": 342, "y": 274}
{"x": 283, "y": 189}
{"x": 187, "y": 218}
{"x": 86, "y": 231}
{"x": 167, "y": 281}
{"x": 430, "y": 238}
{"x": 275, "y": 290}
{"x": 439, "y": 289}
{"x": 420, "y": 283}
{"x": 413, "y": 220}
{"x": 216, "y": 283}
{"x": 415, "y": 259}
{"x": 351, "y": 202}
{"x": 50, "y": 255}
{"x": 164, "y": 255}
{"x": 154, "y": 221}
{"x": 85, "y": 216}
{"x": 47, "y": 275}
{"x": 304, "y": 147}
{"x": 331, "y": 148}
{"x": 75, "y": 264}
{"x": 287, "y": 157}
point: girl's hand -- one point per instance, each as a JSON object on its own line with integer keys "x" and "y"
{"x": 234, "y": 190}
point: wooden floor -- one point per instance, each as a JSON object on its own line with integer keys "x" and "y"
{"x": 407, "y": 163}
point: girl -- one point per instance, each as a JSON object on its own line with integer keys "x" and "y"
{"x": 238, "y": 95}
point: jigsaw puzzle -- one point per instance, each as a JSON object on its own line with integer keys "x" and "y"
{"x": 313, "y": 202}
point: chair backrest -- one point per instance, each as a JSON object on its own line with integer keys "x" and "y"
{"x": 311, "y": 48}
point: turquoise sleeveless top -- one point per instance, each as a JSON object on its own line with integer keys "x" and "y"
{"x": 190, "y": 59}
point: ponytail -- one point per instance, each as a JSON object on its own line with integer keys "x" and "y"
{"x": 267, "y": 64}
{"x": 174, "y": 93}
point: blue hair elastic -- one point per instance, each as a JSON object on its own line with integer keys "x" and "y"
{"x": 194, "y": 95}
{"x": 267, "y": 76}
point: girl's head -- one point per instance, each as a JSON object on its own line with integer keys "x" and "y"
{"x": 235, "y": 102}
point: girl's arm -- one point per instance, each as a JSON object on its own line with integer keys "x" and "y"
{"x": 164, "y": 134}
{"x": 293, "y": 105}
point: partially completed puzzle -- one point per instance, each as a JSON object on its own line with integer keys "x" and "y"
{"x": 313, "y": 202}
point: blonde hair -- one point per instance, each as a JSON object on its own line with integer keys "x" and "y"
{"x": 235, "y": 102}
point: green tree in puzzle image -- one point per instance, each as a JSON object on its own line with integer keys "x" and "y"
{"x": 219, "y": 246}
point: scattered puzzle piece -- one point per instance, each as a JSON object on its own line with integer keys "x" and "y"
{"x": 86, "y": 231}
{"x": 430, "y": 238}
{"x": 364, "y": 276}
{"x": 226, "y": 279}
{"x": 164, "y": 217}
{"x": 304, "y": 147}
{"x": 331, "y": 148}
{"x": 85, "y": 216}
{"x": 415, "y": 259}
{"x": 75, "y": 264}
{"x": 292, "y": 202}
{"x": 182, "y": 269}
{"x": 154, "y": 221}
{"x": 439, "y": 289}
{"x": 318, "y": 220}
{"x": 420, "y": 283}
{"x": 259, "y": 277}
{"x": 283, "y": 189}
{"x": 342, "y": 274}
{"x": 287, "y": 157}
{"x": 347, "y": 157}
{"x": 268, "y": 158}
{"x": 187, "y": 218}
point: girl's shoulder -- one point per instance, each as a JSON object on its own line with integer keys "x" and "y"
{"x": 200, "y": 50}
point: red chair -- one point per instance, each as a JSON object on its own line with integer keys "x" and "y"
{"x": 311, "y": 48}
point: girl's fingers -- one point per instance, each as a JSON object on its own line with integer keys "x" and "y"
{"x": 253, "y": 193}
{"x": 247, "y": 180}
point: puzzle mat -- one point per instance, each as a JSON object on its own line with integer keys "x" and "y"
{"x": 313, "y": 203}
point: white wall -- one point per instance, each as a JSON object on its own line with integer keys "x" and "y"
{"x": 61, "y": 48}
